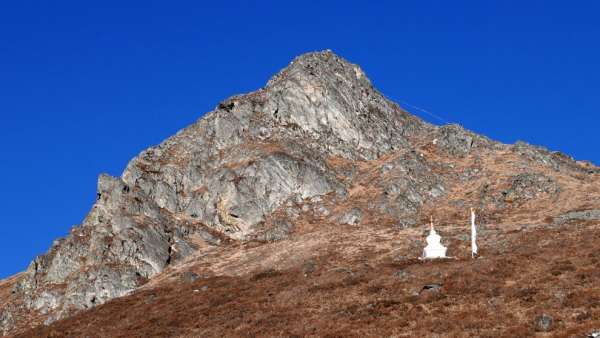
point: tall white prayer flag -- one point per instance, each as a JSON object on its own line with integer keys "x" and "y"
{"x": 473, "y": 235}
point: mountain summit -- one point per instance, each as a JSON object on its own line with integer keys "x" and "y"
{"x": 316, "y": 164}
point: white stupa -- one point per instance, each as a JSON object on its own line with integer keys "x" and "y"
{"x": 434, "y": 248}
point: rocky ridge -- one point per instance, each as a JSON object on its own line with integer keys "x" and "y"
{"x": 318, "y": 141}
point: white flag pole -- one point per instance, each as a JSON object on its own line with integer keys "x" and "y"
{"x": 473, "y": 235}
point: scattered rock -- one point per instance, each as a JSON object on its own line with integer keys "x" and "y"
{"x": 322, "y": 210}
{"x": 553, "y": 159}
{"x": 386, "y": 168}
{"x": 150, "y": 299}
{"x": 353, "y": 217}
{"x": 277, "y": 230}
{"x": 6, "y": 322}
{"x": 470, "y": 174}
{"x": 458, "y": 141}
{"x": 527, "y": 186}
{"x": 309, "y": 267}
{"x": 465, "y": 237}
{"x": 544, "y": 323}
{"x": 190, "y": 277}
{"x": 454, "y": 139}
{"x": 434, "y": 287}
{"x": 400, "y": 258}
{"x": 403, "y": 275}
{"x": 583, "y": 316}
{"x": 586, "y": 215}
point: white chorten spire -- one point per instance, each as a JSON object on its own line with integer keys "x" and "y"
{"x": 434, "y": 248}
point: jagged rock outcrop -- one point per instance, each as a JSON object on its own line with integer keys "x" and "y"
{"x": 553, "y": 159}
{"x": 583, "y": 215}
{"x": 458, "y": 141}
{"x": 224, "y": 174}
{"x": 246, "y": 172}
{"x": 527, "y": 186}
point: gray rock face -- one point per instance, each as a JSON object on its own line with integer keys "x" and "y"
{"x": 408, "y": 182}
{"x": 552, "y": 159}
{"x": 106, "y": 257}
{"x": 527, "y": 186}
{"x": 585, "y": 215}
{"x": 325, "y": 98}
{"x": 6, "y": 321}
{"x": 227, "y": 173}
{"x": 457, "y": 141}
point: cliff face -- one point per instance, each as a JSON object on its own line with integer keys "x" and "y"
{"x": 317, "y": 141}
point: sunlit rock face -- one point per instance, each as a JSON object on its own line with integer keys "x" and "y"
{"x": 224, "y": 177}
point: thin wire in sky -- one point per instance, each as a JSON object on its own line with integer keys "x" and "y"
{"x": 406, "y": 104}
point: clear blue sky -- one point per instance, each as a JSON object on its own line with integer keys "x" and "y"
{"x": 86, "y": 85}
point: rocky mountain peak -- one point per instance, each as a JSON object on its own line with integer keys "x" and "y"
{"x": 320, "y": 67}
{"x": 229, "y": 175}
{"x": 317, "y": 147}
{"x": 324, "y": 97}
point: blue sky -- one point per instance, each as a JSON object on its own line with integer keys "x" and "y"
{"x": 86, "y": 85}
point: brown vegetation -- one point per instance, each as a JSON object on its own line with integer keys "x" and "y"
{"x": 376, "y": 292}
